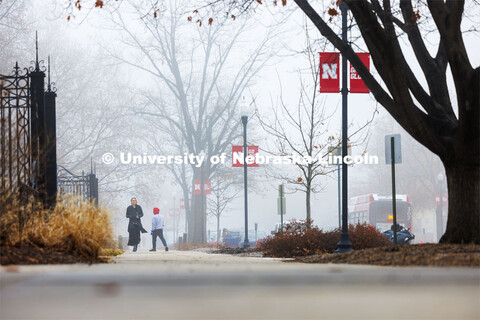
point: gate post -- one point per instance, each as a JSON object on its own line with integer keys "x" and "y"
{"x": 93, "y": 187}
{"x": 37, "y": 113}
{"x": 50, "y": 143}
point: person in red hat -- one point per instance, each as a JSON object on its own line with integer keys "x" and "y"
{"x": 157, "y": 229}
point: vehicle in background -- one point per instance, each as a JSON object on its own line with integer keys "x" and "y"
{"x": 377, "y": 211}
{"x": 231, "y": 238}
{"x": 404, "y": 235}
{"x": 253, "y": 238}
{"x": 236, "y": 238}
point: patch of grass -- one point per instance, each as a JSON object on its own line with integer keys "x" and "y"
{"x": 111, "y": 252}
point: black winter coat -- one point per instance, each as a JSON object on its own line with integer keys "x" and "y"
{"x": 135, "y": 224}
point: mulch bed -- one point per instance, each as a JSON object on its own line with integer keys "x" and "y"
{"x": 433, "y": 255}
{"x": 241, "y": 252}
{"x": 228, "y": 250}
{"x": 33, "y": 255}
{"x": 438, "y": 255}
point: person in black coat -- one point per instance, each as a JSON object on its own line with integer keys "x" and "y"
{"x": 134, "y": 213}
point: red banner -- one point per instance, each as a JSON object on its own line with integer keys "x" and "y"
{"x": 197, "y": 187}
{"x": 444, "y": 199}
{"x": 237, "y": 156}
{"x": 329, "y": 72}
{"x": 252, "y": 151}
{"x": 207, "y": 187}
{"x": 356, "y": 83}
{"x": 182, "y": 203}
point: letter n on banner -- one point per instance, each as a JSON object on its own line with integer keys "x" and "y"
{"x": 197, "y": 187}
{"x": 329, "y": 72}
{"x": 237, "y": 156}
{"x": 356, "y": 83}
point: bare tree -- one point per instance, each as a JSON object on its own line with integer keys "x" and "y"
{"x": 302, "y": 130}
{"x": 428, "y": 116}
{"x": 199, "y": 85}
{"x": 449, "y": 128}
{"x": 13, "y": 31}
{"x": 225, "y": 188}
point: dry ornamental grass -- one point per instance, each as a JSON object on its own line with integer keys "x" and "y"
{"x": 74, "y": 227}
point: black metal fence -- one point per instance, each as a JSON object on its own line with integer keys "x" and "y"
{"x": 28, "y": 159}
{"x": 84, "y": 186}
{"x": 16, "y": 162}
{"x": 27, "y": 134}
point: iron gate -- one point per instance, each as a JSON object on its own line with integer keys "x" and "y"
{"x": 28, "y": 160}
{"x": 17, "y": 163}
{"x": 83, "y": 186}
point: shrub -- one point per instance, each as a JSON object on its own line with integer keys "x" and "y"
{"x": 73, "y": 226}
{"x": 365, "y": 236}
{"x": 297, "y": 239}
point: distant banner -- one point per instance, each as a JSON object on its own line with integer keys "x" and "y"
{"x": 356, "y": 83}
{"x": 197, "y": 187}
{"x": 329, "y": 72}
{"x": 444, "y": 199}
{"x": 207, "y": 187}
{"x": 237, "y": 156}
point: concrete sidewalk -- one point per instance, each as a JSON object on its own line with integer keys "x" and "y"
{"x": 198, "y": 285}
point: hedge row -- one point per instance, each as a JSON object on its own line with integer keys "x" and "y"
{"x": 299, "y": 239}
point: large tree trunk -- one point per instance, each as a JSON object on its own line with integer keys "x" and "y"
{"x": 188, "y": 214}
{"x": 463, "y": 225}
{"x": 196, "y": 230}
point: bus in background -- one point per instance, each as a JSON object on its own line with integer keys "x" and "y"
{"x": 377, "y": 211}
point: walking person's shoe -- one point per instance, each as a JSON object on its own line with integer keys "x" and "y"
{"x": 135, "y": 248}
{"x": 166, "y": 248}
{"x": 153, "y": 250}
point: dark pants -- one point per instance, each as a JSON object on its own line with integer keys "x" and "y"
{"x": 158, "y": 233}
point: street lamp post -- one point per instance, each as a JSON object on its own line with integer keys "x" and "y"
{"x": 344, "y": 245}
{"x": 440, "y": 207}
{"x": 244, "y": 115}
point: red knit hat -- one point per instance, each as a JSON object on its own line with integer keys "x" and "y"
{"x": 156, "y": 211}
